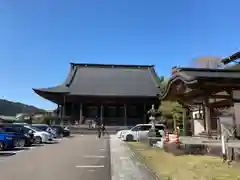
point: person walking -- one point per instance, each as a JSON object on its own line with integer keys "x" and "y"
{"x": 94, "y": 125}
{"x": 99, "y": 131}
{"x": 103, "y": 129}
{"x": 90, "y": 124}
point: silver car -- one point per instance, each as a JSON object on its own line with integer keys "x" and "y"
{"x": 45, "y": 127}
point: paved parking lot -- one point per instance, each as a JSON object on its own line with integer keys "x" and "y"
{"x": 80, "y": 157}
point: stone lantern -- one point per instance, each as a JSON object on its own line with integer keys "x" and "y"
{"x": 152, "y": 132}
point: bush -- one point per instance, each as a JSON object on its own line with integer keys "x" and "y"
{"x": 40, "y": 121}
{"x": 174, "y": 148}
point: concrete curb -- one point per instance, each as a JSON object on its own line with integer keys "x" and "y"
{"x": 140, "y": 159}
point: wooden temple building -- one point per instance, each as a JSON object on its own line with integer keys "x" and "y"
{"x": 116, "y": 94}
{"x": 210, "y": 90}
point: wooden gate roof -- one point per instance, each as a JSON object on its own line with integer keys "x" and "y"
{"x": 197, "y": 80}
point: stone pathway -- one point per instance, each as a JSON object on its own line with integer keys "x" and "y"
{"x": 124, "y": 166}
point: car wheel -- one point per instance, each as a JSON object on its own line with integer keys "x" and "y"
{"x": 38, "y": 140}
{"x": 21, "y": 143}
{"x": 28, "y": 144}
{"x": 61, "y": 135}
{"x": 129, "y": 137}
{"x": 1, "y": 146}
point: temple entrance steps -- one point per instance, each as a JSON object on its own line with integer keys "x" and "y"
{"x": 66, "y": 122}
{"x": 204, "y": 134}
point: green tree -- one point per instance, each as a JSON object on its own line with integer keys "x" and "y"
{"x": 169, "y": 109}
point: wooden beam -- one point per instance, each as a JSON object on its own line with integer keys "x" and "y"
{"x": 218, "y": 96}
{"x": 226, "y": 85}
{"x": 223, "y": 103}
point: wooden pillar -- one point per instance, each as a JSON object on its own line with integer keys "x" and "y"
{"x": 235, "y": 95}
{"x": 101, "y": 114}
{"x": 204, "y": 117}
{"x": 63, "y": 110}
{"x": 207, "y": 117}
{"x": 174, "y": 122}
{"x": 218, "y": 126}
{"x": 60, "y": 113}
{"x": 81, "y": 114}
{"x": 72, "y": 116}
{"x": 125, "y": 114}
{"x": 184, "y": 121}
{"x": 192, "y": 124}
{"x": 145, "y": 114}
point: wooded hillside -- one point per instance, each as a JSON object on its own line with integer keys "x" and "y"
{"x": 9, "y": 108}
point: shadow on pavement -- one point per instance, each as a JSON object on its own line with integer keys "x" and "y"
{"x": 37, "y": 145}
{"x": 52, "y": 142}
{"x": 16, "y": 149}
{"x": 5, "y": 154}
{"x": 23, "y": 148}
{"x": 68, "y": 137}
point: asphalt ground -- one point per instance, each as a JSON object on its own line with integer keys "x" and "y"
{"x": 85, "y": 130}
{"x": 81, "y": 157}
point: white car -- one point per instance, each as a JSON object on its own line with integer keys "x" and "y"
{"x": 139, "y": 132}
{"x": 39, "y": 135}
{"x": 119, "y": 133}
{"x": 122, "y": 131}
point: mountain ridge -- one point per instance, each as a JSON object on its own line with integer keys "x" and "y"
{"x": 10, "y": 108}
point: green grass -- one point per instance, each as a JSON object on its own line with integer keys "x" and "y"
{"x": 187, "y": 167}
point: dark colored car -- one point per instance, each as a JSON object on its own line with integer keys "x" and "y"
{"x": 20, "y": 130}
{"x": 61, "y": 131}
{"x": 9, "y": 140}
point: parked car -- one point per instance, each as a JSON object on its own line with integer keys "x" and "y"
{"x": 61, "y": 131}
{"x": 47, "y": 128}
{"x": 40, "y": 136}
{"x": 139, "y": 132}
{"x": 22, "y": 123}
{"x": 27, "y": 135}
{"x": 10, "y": 140}
{"x": 122, "y": 130}
{"x": 66, "y": 131}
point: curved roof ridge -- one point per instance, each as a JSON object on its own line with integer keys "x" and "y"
{"x": 177, "y": 76}
{"x": 54, "y": 89}
{"x": 154, "y": 77}
{"x": 71, "y": 76}
{"x": 111, "y": 65}
{"x": 206, "y": 69}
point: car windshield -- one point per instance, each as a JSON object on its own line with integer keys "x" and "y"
{"x": 34, "y": 129}
{"x": 44, "y": 128}
{"x": 57, "y": 127}
{"x": 135, "y": 128}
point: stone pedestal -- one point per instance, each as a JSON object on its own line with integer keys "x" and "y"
{"x": 151, "y": 134}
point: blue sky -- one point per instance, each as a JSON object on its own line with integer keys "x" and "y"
{"x": 38, "y": 39}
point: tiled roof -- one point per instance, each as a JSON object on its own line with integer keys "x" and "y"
{"x": 109, "y": 80}
{"x": 192, "y": 75}
{"x": 189, "y": 74}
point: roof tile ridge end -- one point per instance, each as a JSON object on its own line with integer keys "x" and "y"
{"x": 154, "y": 76}
{"x": 73, "y": 73}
